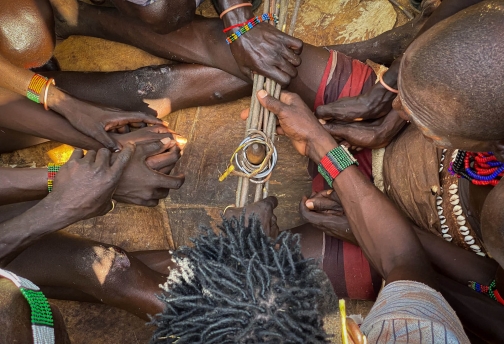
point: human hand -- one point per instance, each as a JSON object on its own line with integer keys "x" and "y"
{"x": 373, "y": 104}
{"x": 145, "y": 180}
{"x": 371, "y": 134}
{"x": 269, "y": 52}
{"x": 298, "y": 123}
{"x": 263, "y": 210}
{"x": 95, "y": 120}
{"x": 83, "y": 187}
{"x": 325, "y": 212}
{"x": 151, "y": 133}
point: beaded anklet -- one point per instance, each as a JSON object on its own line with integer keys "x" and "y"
{"x": 41, "y": 314}
{"x": 52, "y": 169}
{"x": 334, "y": 162}
{"x": 490, "y": 290}
{"x": 250, "y": 25}
{"x": 35, "y": 87}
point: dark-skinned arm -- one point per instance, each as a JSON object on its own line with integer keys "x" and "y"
{"x": 385, "y": 236}
{"x": 22, "y": 184}
{"x": 83, "y": 189}
{"x": 264, "y": 49}
{"x": 377, "y": 101}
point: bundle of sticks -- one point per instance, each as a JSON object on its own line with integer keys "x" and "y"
{"x": 261, "y": 123}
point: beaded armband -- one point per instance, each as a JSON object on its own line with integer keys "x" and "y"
{"x": 334, "y": 162}
{"x": 35, "y": 88}
{"x": 41, "y": 314}
{"x": 52, "y": 169}
{"x": 249, "y": 25}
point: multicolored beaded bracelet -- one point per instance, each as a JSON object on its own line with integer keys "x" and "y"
{"x": 334, "y": 162}
{"x": 490, "y": 290}
{"x": 35, "y": 87}
{"x": 52, "y": 169}
{"x": 250, "y": 25}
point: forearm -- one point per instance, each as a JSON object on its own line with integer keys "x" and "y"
{"x": 455, "y": 262}
{"x": 20, "y": 185}
{"x": 13, "y": 78}
{"x": 22, "y": 115}
{"x": 385, "y": 236}
{"x": 20, "y": 232}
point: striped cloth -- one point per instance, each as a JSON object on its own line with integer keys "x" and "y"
{"x": 411, "y": 312}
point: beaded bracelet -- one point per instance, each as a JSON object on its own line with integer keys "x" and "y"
{"x": 35, "y": 87}
{"x": 334, "y": 162}
{"x": 52, "y": 169}
{"x": 250, "y": 25}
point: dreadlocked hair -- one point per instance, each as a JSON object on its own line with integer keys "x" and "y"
{"x": 240, "y": 286}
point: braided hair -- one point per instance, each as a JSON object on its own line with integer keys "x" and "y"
{"x": 241, "y": 286}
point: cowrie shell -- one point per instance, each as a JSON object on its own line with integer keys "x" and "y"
{"x": 475, "y": 247}
{"x": 442, "y": 219}
{"x": 445, "y": 230}
{"x": 481, "y": 254}
{"x": 461, "y": 220}
{"x": 444, "y": 151}
{"x": 440, "y": 212}
{"x": 440, "y": 167}
{"x": 447, "y": 237}
{"x": 457, "y": 210}
{"x": 439, "y": 200}
{"x": 454, "y": 199}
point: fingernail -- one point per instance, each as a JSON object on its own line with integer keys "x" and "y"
{"x": 165, "y": 140}
{"x": 309, "y": 205}
{"x": 262, "y": 94}
{"x": 166, "y": 124}
{"x": 358, "y": 119}
{"x": 322, "y": 121}
{"x": 329, "y": 192}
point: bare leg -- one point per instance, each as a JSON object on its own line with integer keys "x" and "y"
{"x": 201, "y": 42}
{"x": 162, "y": 16}
{"x": 105, "y": 272}
{"x": 156, "y": 89}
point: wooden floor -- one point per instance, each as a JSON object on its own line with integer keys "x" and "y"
{"x": 212, "y": 132}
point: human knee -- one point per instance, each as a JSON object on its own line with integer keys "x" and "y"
{"x": 166, "y": 16}
{"x": 27, "y": 32}
{"x": 108, "y": 262}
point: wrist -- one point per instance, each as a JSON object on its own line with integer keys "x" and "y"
{"x": 319, "y": 147}
{"x": 237, "y": 15}
{"x": 56, "y": 99}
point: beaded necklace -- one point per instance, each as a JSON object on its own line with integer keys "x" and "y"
{"x": 453, "y": 222}
{"x": 479, "y": 168}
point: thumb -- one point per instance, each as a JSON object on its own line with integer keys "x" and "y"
{"x": 272, "y": 104}
{"x": 122, "y": 160}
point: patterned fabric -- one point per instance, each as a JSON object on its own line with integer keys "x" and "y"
{"x": 344, "y": 263}
{"x": 412, "y": 312}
